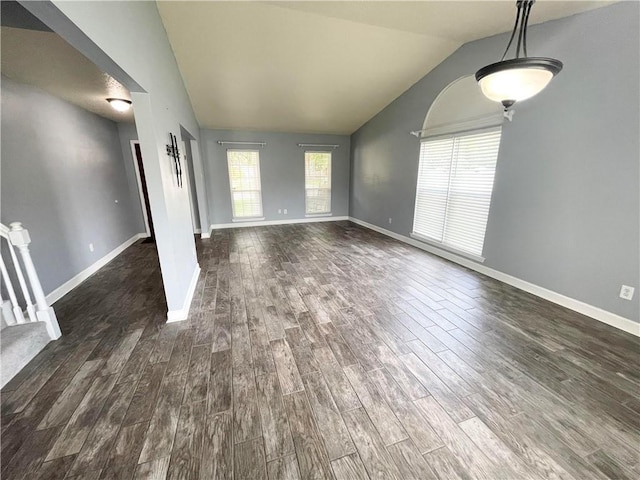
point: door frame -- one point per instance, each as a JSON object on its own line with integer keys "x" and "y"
{"x": 192, "y": 201}
{"x": 143, "y": 204}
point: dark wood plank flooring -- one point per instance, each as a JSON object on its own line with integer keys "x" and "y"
{"x": 322, "y": 351}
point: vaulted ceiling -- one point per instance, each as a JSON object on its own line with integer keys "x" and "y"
{"x": 302, "y": 66}
{"x": 322, "y": 67}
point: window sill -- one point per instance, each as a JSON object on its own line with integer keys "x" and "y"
{"x": 441, "y": 246}
{"x": 247, "y": 219}
{"x": 311, "y": 215}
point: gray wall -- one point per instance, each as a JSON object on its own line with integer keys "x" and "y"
{"x": 565, "y": 209}
{"x": 62, "y": 171}
{"x": 281, "y": 172}
{"x": 144, "y": 62}
{"x": 127, "y": 133}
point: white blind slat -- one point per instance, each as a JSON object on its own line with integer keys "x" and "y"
{"x": 244, "y": 180}
{"x": 455, "y": 183}
{"x": 317, "y": 170}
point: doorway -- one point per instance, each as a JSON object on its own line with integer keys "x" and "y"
{"x": 187, "y": 160}
{"x": 144, "y": 193}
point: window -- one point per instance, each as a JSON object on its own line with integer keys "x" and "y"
{"x": 317, "y": 183}
{"x": 244, "y": 179}
{"x": 455, "y": 182}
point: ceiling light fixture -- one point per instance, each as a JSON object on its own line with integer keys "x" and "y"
{"x": 119, "y": 104}
{"x": 514, "y": 80}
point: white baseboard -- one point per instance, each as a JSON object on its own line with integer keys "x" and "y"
{"x": 596, "y": 313}
{"x": 263, "y": 223}
{"x": 72, "y": 283}
{"x": 183, "y": 313}
{"x": 205, "y": 235}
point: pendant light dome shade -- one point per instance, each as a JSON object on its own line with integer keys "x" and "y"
{"x": 514, "y": 80}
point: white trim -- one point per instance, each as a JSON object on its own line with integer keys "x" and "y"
{"x": 265, "y": 223}
{"x": 143, "y": 204}
{"x": 187, "y": 177}
{"x": 72, "y": 283}
{"x": 306, "y": 198}
{"x": 442, "y": 246}
{"x": 453, "y": 129}
{"x": 183, "y": 313}
{"x": 247, "y": 219}
{"x": 198, "y": 180}
{"x": 231, "y": 191}
{"x": 197, "y": 230}
{"x": 596, "y": 313}
{"x": 206, "y": 234}
{"x": 460, "y": 125}
{"x": 317, "y": 215}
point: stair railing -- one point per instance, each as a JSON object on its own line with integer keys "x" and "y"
{"x": 17, "y": 237}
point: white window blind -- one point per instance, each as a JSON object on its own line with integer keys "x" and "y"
{"x": 317, "y": 167}
{"x": 244, "y": 179}
{"x": 455, "y": 182}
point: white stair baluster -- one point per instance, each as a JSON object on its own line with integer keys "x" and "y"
{"x": 20, "y": 238}
{"x": 6, "y": 312}
{"x": 31, "y": 310}
{"x": 17, "y": 311}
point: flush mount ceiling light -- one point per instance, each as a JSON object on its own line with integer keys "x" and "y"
{"x": 119, "y": 104}
{"x": 514, "y": 80}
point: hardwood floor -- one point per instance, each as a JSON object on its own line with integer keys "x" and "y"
{"x": 322, "y": 351}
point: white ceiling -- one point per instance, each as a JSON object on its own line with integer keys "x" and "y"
{"x": 322, "y": 67}
{"x": 45, "y": 60}
{"x": 313, "y": 67}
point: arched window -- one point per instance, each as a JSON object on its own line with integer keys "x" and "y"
{"x": 458, "y": 153}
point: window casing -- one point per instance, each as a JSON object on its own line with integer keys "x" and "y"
{"x": 244, "y": 181}
{"x": 317, "y": 172}
{"x": 455, "y": 183}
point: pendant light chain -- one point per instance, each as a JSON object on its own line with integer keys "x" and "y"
{"x": 526, "y": 24}
{"x": 513, "y": 33}
{"x": 524, "y": 9}
{"x": 522, "y": 21}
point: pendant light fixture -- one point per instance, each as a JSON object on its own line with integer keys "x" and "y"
{"x": 514, "y": 80}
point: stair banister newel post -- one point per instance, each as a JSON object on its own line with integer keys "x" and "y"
{"x": 20, "y": 238}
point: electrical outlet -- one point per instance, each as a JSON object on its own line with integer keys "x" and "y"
{"x": 279, "y": 210}
{"x": 626, "y": 292}
{"x": 285, "y": 211}
{"x": 389, "y": 220}
{"x": 91, "y": 247}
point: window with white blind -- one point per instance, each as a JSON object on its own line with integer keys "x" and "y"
{"x": 244, "y": 180}
{"x": 317, "y": 182}
{"x": 455, "y": 182}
